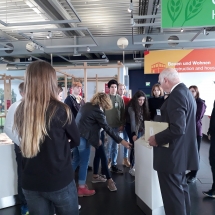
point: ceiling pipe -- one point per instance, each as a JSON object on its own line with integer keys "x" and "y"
{"x": 73, "y": 9}
{"x": 106, "y": 60}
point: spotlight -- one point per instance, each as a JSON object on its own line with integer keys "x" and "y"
{"x": 49, "y": 36}
{"x": 41, "y": 48}
{"x": 205, "y": 32}
{"x": 182, "y": 30}
{"x": 88, "y": 48}
{"x": 32, "y": 35}
{"x": 130, "y": 9}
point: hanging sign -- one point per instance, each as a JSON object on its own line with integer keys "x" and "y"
{"x": 187, "y": 13}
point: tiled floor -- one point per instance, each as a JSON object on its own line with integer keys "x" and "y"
{"x": 123, "y": 202}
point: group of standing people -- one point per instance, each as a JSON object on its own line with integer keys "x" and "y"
{"x": 47, "y": 130}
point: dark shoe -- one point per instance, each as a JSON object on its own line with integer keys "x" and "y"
{"x": 210, "y": 193}
{"x": 191, "y": 179}
{"x": 90, "y": 168}
{"x": 116, "y": 170}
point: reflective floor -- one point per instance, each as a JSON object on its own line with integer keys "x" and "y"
{"x": 123, "y": 202}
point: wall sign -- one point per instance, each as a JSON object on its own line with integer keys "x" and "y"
{"x": 198, "y": 60}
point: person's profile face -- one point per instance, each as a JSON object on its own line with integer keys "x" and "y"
{"x": 163, "y": 84}
{"x": 60, "y": 96}
{"x": 192, "y": 90}
{"x": 141, "y": 100}
{"x": 76, "y": 90}
{"x": 121, "y": 90}
{"x": 113, "y": 89}
{"x": 156, "y": 92}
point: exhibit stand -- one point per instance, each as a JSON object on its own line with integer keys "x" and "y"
{"x": 8, "y": 169}
{"x": 147, "y": 186}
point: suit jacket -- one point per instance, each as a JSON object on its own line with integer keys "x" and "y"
{"x": 179, "y": 110}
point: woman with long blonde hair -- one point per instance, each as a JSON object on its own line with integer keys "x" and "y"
{"x": 90, "y": 119}
{"x": 44, "y": 125}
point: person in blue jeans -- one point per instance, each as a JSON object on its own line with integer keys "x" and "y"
{"x": 90, "y": 119}
{"x": 121, "y": 92}
{"x": 115, "y": 119}
{"x": 44, "y": 126}
{"x": 136, "y": 113}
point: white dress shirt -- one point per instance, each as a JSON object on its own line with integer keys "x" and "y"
{"x": 9, "y": 121}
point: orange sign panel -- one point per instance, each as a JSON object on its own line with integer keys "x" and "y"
{"x": 198, "y": 60}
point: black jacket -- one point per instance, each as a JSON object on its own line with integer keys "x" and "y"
{"x": 155, "y": 103}
{"x": 51, "y": 169}
{"x": 212, "y": 122}
{"x": 90, "y": 119}
{"x": 72, "y": 103}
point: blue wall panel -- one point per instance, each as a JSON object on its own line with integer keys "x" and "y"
{"x": 137, "y": 81}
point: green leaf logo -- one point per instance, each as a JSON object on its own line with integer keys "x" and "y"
{"x": 193, "y": 8}
{"x": 174, "y": 8}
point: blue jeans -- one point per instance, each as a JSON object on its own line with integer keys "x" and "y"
{"x": 81, "y": 155}
{"x": 112, "y": 148}
{"x": 64, "y": 201}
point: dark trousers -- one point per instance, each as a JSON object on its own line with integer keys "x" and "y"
{"x": 193, "y": 173}
{"x": 128, "y": 131}
{"x": 19, "y": 173}
{"x": 175, "y": 193}
{"x": 101, "y": 155}
{"x": 212, "y": 159}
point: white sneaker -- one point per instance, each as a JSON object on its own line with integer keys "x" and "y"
{"x": 79, "y": 207}
{"x": 132, "y": 171}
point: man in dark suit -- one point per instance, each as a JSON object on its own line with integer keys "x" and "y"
{"x": 179, "y": 110}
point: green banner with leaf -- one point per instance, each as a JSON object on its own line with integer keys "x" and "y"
{"x": 187, "y": 13}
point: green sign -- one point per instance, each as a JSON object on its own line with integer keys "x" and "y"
{"x": 148, "y": 84}
{"x": 188, "y": 13}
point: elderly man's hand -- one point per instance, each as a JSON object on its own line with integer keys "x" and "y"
{"x": 152, "y": 141}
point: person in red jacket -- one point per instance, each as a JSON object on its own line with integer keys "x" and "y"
{"x": 121, "y": 92}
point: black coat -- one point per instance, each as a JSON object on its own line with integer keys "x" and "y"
{"x": 155, "y": 103}
{"x": 90, "y": 119}
{"x": 211, "y": 130}
{"x": 72, "y": 103}
{"x": 179, "y": 110}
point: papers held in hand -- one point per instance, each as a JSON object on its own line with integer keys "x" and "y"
{"x": 152, "y": 128}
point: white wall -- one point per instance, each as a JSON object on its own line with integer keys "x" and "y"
{"x": 205, "y": 81}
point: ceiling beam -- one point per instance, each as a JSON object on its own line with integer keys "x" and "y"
{"x": 89, "y": 56}
{"x": 149, "y": 12}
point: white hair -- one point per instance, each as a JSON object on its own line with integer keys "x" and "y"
{"x": 171, "y": 74}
